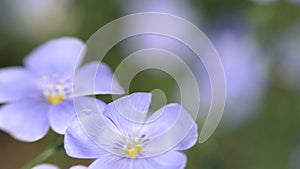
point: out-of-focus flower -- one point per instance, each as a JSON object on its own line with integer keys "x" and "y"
{"x": 272, "y": 1}
{"x": 264, "y": 1}
{"x": 295, "y": 1}
{"x": 245, "y": 73}
{"x": 121, "y": 137}
{"x": 50, "y": 166}
{"x": 288, "y": 53}
{"x": 38, "y": 19}
{"x": 183, "y": 9}
{"x": 41, "y": 94}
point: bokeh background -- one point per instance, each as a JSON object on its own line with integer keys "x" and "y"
{"x": 259, "y": 45}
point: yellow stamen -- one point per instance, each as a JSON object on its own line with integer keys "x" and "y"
{"x": 55, "y": 94}
{"x": 133, "y": 149}
{"x": 55, "y": 99}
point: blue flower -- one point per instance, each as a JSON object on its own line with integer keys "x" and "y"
{"x": 50, "y": 166}
{"x": 41, "y": 94}
{"x": 121, "y": 137}
{"x": 246, "y": 74}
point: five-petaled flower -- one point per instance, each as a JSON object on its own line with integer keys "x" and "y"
{"x": 41, "y": 94}
{"x": 122, "y": 137}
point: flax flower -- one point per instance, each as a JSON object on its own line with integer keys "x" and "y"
{"x": 122, "y": 137}
{"x": 41, "y": 94}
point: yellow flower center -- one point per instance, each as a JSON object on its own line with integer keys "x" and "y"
{"x": 133, "y": 149}
{"x": 54, "y": 94}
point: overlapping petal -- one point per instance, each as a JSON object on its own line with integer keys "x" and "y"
{"x": 82, "y": 139}
{"x": 96, "y": 78}
{"x": 25, "y": 120}
{"x": 61, "y": 115}
{"x": 85, "y": 131}
{"x": 60, "y": 56}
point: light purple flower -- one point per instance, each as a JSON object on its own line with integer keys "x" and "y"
{"x": 50, "y": 166}
{"x": 40, "y": 95}
{"x": 273, "y": 1}
{"x": 183, "y": 9}
{"x": 122, "y": 137}
{"x": 246, "y": 74}
{"x": 264, "y": 1}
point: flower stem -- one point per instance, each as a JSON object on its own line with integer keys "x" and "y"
{"x": 43, "y": 156}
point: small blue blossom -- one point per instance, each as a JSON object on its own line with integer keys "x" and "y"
{"x": 122, "y": 137}
{"x": 41, "y": 94}
{"x": 246, "y": 73}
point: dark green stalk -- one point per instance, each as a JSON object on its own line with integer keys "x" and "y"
{"x": 43, "y": 156}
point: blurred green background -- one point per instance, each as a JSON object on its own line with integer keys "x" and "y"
{"x": 271, "y": 140}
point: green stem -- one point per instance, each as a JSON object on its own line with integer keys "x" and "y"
{"x": 43, "y": 156}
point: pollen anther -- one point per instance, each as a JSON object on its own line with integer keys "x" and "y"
{"x": 54, "y": 94}
{"x": 133, "y": 149}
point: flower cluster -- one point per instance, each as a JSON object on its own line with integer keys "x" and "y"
{"x": 118, "y": 135}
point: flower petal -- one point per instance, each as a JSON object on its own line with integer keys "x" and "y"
{"x": 16, "y": 83}
{"x": 59, "y": 56}
{"x": 60, "y": 116}
{"x": 172, "y": 124}
{"x": 25, "y": 120}
{"x": 45, "y": 166}
{"x": 100, "y": 80}
{"x": 129, "y": 112}
{"x": 78, "y": 144}
{"x": 83, "y": 132}
{"x": 79, "y": 167}
{"x": 170, "y": 160}
{"x": 189, "y": 140}
{"x": 111, "y": 161}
